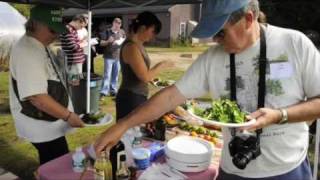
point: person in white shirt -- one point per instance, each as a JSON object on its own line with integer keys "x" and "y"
{"x": 39, "y": 102}
{"x": 291, "y": 95}
{"x": 83, "y": 38}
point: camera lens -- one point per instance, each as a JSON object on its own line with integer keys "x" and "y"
{"x": 241, "y": 160}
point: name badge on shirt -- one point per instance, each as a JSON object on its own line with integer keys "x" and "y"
{"x": 281, "y": 70}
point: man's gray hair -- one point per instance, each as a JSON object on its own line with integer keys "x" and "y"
{"x": 253, "y": 6}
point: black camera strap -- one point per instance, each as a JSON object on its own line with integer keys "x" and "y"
{"x": 55, "y": 68}
{"x": 262, "y": 77}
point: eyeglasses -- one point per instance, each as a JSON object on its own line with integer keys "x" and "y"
{"x": 220, "y": 34}
{"x": 52, "y": 31}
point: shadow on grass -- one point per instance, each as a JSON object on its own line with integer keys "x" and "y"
{"x": 4, "y": 105}
{"x": 16, "y": 162}
{"x": 4, "y": 109}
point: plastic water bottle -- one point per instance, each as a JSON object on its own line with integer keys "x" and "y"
{"x": 78, "y": 159}
{"x": 137, "y": 141}
{"x": 127, "y": 140}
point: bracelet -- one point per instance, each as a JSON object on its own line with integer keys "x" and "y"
{"x": 69, "y": 115}
{"x": 284, "y": 116}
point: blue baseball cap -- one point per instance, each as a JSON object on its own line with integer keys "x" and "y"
{"x": 215, "y": 14}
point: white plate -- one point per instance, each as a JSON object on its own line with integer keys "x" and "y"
{"x": 107, "y": 119}
{"x": 217, "y": 123}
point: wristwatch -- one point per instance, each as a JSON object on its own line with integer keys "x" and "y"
{"x": 284, "y": 116}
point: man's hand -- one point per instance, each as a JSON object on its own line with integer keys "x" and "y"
{"x": 110, "y": 137}
{"x": 264, "y": 117}
{"x": 75, "y": 121}
{"x": 111, "y": 39}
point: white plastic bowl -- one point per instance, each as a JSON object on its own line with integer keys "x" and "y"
{"x": 189, "y": 149}
{"x": 188, "y": 167}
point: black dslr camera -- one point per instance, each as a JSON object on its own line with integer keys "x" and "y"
{"x": 244, "y": 149}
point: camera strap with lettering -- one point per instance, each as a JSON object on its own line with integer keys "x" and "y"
{"x": 262, "y": 76}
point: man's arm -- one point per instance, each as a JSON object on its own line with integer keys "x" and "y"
{"x": 106, "y": 38}
{"x": 47, "y": 104}
{"x": 164, "y": 101}
{"x": 304, "y": 111}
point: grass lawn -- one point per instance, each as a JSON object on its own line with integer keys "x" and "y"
{"x": 19, "y": 156}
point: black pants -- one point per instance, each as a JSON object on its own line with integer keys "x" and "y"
{"x": 52, "y": 149}
{"x": 127, "y": 101}
{"x": 85, "y": 64}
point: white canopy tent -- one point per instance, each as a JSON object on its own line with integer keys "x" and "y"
{"x": 12, "y": 27}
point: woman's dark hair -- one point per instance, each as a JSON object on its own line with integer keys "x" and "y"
{"x": 147, "y": 19}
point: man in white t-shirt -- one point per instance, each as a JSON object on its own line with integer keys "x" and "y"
{"x": 40, "y": 116}
{"x": 291, "y": 98}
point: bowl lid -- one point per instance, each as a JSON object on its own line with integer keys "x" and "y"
{"x": 141, "y": 153}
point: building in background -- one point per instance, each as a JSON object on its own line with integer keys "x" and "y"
{"x": 174, "y": 19}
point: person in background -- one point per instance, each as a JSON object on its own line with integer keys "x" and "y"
{"x": 111, "y": 39}
{"x": 73, "y": 48}
{"x": 135, "y": 64}
{"x": 83, "y": 37}
{"x": 40, "y": 106}
{"x": 292, "y": 91}
{"x": 83, "y": 34}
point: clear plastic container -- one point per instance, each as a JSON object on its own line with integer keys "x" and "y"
{"x": 141, "y": 157}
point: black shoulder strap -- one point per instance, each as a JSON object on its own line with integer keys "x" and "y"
{"x": 262, "y": 69}
{"x": 262, "y": 74}
{"x": 233, "y": 81}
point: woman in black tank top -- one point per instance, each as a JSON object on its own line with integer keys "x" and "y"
{"x": 135, "y": 64}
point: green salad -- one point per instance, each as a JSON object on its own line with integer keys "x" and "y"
{"x": 92, "y": 118}
{"x": 225, "y": 111}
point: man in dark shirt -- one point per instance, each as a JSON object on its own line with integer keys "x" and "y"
{"x": 111, "y": 39}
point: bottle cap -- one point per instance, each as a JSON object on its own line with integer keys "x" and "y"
{"x": 138, "y": 134}
{"x": 103, "y": 154}
{"x": 79, "y": 149}
{"x": 137, "y": 128}
{"x": 123, "y": 157}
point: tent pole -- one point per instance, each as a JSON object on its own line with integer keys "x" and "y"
{"x": 89, "y": 60}
{"x": 316, "y": 152}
